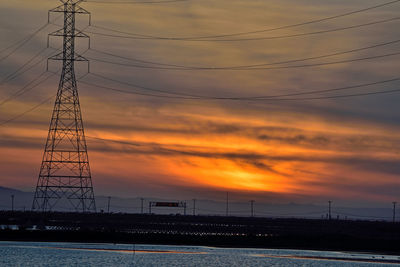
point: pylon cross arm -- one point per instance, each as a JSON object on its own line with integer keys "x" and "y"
{"x": 77, "y": 33}
{"x": 77, "y": 10}
{"x": 60, "y": 56}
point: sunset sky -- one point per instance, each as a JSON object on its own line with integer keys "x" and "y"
{"x": 167, "y": 145}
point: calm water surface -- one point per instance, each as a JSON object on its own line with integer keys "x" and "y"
{"x": 74, "y": 254}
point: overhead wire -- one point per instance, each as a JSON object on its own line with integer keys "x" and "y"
{"x": 253, "y": 65}
{"x": 130, "y": 92}
{"x": 29, "y": 86}
{"x": 27, "y": 111}
{"x": 240, "y": 99}
{"x": 134, "y": 2}
{"x": 250, "y": 97}
{"x": 245, "y": 69}
{"x": 136, "y": 93}
{"x": 21, "y": 43}
{"x": 276, "y": 28}
{"x": 291, "y": 214}
{"x": 36, "y": 106}
{"x": 144, "y": 87}
{"x": 19, "y": 71}
{"x": 362, "y": 216}
{"x": 263, "y": 213}
{"x": 111, "y": 140}
{"x": 294, "y": 25}
{"x": 134, "y": 36}
{"x": 338, "y": 96}
{"x": 17, "y": 45}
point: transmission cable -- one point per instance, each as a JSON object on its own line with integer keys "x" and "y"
{"x": 247, "y": 69}
{"x": 252, "y": 97}
{"x": 249, "y": 66}
{"x": 22, "y": 42}
{"x": 27, "y": 37}
{"x": 35, "y": 107}
{"x": 270, "y": 29}
{"x": 362, "y": 216}
{"x": 18, "y": 72}
{"x": 115, "y": 141}
{"x": 144, "y": 87}
{"x": 31, "y": 85}
{"x": 216, "y": 98}
{"x": 245, "y": 39}
{"x": 27, "y": 111}
{"x": 27, "y": 87}
{"x": 290, "y": 214}
{"x": 138, "y": 93}
{"x": 134, "y": 2}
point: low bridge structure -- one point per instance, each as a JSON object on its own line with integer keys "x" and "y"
{"x": 201, "y": 230}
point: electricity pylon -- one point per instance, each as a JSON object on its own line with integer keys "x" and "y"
{"x": 65, "y": 172}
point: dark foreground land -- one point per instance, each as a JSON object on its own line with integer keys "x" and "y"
{"x": 372, "y": 236}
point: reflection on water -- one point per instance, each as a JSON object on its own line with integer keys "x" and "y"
{"x": 74, "y": 254}
{"x": 132, "y": 250}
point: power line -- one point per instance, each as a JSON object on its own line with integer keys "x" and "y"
{"x": 265, "y": 213}
{"x": 16, "y": 73}
{"x": 115, "y": 141}
{"x": 250, "y": 97}
{"x": 27, "y": 87}
{"x": 134, "y": 2}
{"x": 344, "y": 96}
{"x": 362, "y": 216}
{"x": 253, "y": 65}
{"x": 37, "y": 106}
{"x": 27, "y": 111}
{"x": 23, "y": 39}
{"x": 146, "y": 88}
{"x": 138, "y": 93}
{"x": 203, "y": 39}
{"x": 332, "y": 89}
{"x": 270, "y": 29}
{"x": 292, "y": 214}
{"x": 21, "y": 43}
{"x": 238, "y": 99}
{"x": 247, "y": 69}
{"x": 307, "y": 33}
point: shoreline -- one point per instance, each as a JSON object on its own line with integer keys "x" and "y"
{"x": 300, "y": 254}
{"x": 279, "y": 243}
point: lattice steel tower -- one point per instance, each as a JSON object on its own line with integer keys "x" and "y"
{"x": 65, "y": 172}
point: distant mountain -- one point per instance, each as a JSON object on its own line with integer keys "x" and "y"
{"x": 22, "y": 200}
{"x": 6, "y": 190}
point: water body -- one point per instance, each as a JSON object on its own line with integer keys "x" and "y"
{"x": 74, "y": 254}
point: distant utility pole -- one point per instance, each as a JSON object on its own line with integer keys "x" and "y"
{"x": 184, "y": 208}
{"x": 141, "y": 206}
{"x": 252, "y": 207}
{"x": 227, "y": 204}
{"x": 394, "y": 211}
{"x": 12, "y": 202}
{"x": 329, "y": 210}
{"x": 108, "y": 205}
{"x": 194, "y": 207}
